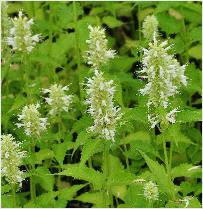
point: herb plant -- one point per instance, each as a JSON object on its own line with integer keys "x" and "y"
{"x": 101, "y": 104}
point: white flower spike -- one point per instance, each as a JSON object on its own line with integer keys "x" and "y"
{"x": 98, "y": 52}
{"x": 100, "y": 95}
{"x": 165, "y": 76}
{"x": 31, "y": 120}
{"x": 151, "y": 192}
{"x": 58, "y": 101}
{"x": 20, "y": 35}
{"x": 150, "y": 27}
{"x": 11, "y": 159}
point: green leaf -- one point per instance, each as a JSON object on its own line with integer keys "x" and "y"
{"x": 60, "y": 150}
{"x": 174, "y": 134}
{"x": 46, "y": 200}
{"x": 189, "y": 116}
{"x": 38, "y": 157}
{"x": 140, "y": 135}
{"x": 134, "y": 197}
{"x": 45, "y": 181}
{"x": 19, "y": 102}
{"x": 136, "y": 114}
{"x": 196, "y": 34}
{"x": 121, "y": 176}
{"x": 91, "y": 147}
{"x": 168, "y": 23}
{"x": 96, "y": 198}
{"x": 187, "y": 170}
{"x": 5, "y": 188}
{"x": 84, "y": 173}
{"x": 112, "y": 22}
{"x": 161, "y": 177}
{"x": 121, "y": 63}
{"x": 69, "y": 192}
{"x": 196, "y": 52}
{"x": 82, "y": 138}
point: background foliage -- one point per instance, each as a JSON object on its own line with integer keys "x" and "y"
{"x": 68, "y": 162}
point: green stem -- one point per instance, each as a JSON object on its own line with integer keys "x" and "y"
{"x": 77, "y": 48}
{"x": 139, "y": 23}
{"x": 13, "y": 196}
{"x": 170, "y": 156}
{"x": 32, "y": 181}
{"x": 107, "y": 189}
{"x": 165, "y": 156}
{"x": 126, "y": 158}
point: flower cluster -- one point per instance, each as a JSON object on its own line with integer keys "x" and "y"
{"x": 20, "y": 35}
{"x": 151, "y": 191}
{"x": 11, "y": 159}
{"x": 98, "y": 52}
{"x": 165, "y": 75}
{"x": 100, "y": 95}
{"x": 31, "y": 121}
{"x": 150, "y": 27}
{"x": 58, "y": 100}
{"x": 5, "y": 23}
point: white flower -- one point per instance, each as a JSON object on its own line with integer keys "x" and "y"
{"x": 58, "y": 100}
{"x": 5, "y": 23}
{"x": 164, "y": 75}
{"x": 20, "y": 35}
{"x": 11, "y": 159}
{"x": 98, "y": 52}
{"x": 31, "y": 120}
{"x": 151, "y": 191}
{"x": 171, "y": 115}
{"x": 150, "y": 26}
{"x": 100, "y": 95}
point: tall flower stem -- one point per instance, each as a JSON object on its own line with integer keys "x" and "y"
{"x": 13, "y": 195}
{"x": 32, "y": 168}
{"x": 166, "y": 156}
{"x": 107, "y": 190}
{"x": 77, "y": 48}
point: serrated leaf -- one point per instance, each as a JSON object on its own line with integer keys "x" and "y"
{"x": 84, "y": 173}
{"x": 96, "y": 198}
{"x": 196, "y": 52}
{"x": 196, "y": 34}
{"x": 168, "y": 23}
{"x": 45, "y": 181}
{"x": 46, "y": 200}
{"x": 60, "y": 150}
{"x": 188, "y": 170}
{"x": 174, "y": 134}
{"x": 70, "y": 192}
{"x": 189, "y": 116}
{"x": 38, "y": 157}
{"x": 91, "y": 147}
{"x": 112, "y": 22}
{"x": 5, "y": 188}
{"x": 140, "y": 135}
{"x": 134, "y": 197}
{"x": 136, "y": 114}
{"x": 161, "y": 177}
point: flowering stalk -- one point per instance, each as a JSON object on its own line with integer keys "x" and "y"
{"x": 150, "y": 27}
{"x": 98, "y": 52}
{"x": 58, "y": 101}
{"x": 100, "y": 95}
{"x": 34, "y": 125}
{"x": 20, "y": 35}
{"x": 11, "y": 159}
{"x": 165, "y": 76}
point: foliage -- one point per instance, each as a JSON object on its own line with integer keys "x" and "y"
{"x": 68, "y": 166}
